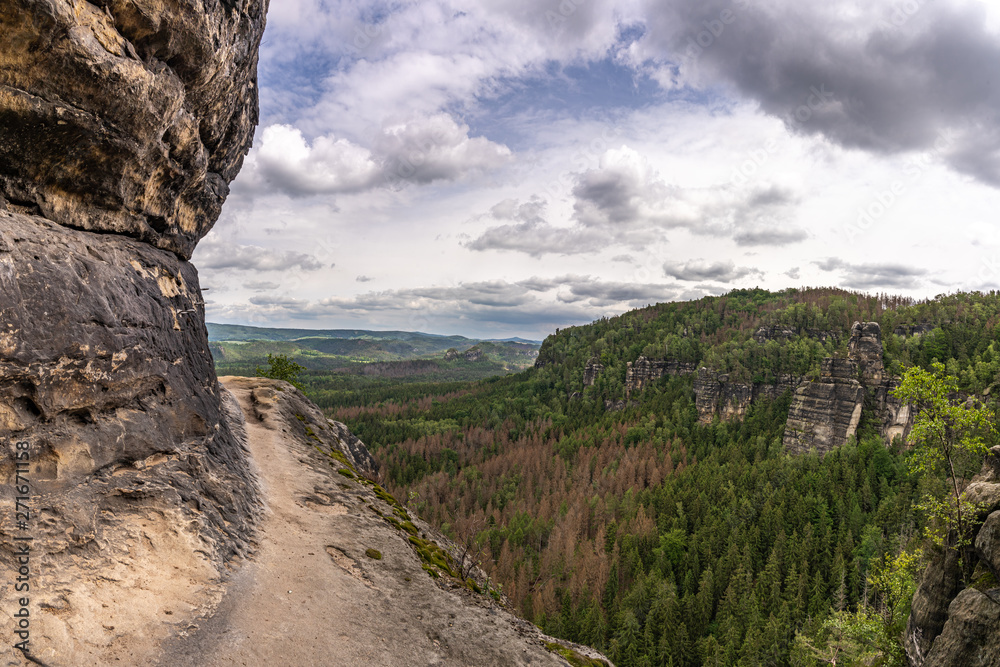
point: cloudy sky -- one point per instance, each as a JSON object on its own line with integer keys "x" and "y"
{"x": 501, "y": 168}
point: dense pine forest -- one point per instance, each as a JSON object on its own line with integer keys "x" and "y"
{"x": 622, "y": 522}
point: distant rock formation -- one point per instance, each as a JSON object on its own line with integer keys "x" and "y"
{"x": 593, "y": 368}
{"x": 717, "y": 396}
{"x": 474, "y": 353}
{"x": 913, "y": 329}
{"x": 954, "y": 627}
{"x": 865, "y": 349}
{"x": 764, "y": 334}
{"x": 639, "y": 374}
{"x": 825, "y": 413}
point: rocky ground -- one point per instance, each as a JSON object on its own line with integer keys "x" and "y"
{"x": 314, "y": 595}
{"x": 334, "y": 579}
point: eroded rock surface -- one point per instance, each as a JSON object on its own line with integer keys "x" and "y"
{"x": 826, "y": 412}
{"x": 122, "y": 123}
{"x": 640, "y": 373}
{"x": 823, "y": 414}
{"x": 592, "y": 370}
{"x": 136, "y": 467}
{"x": 716, "y": 396}
{"x": 127, "y": 116}
{"x": 951, "y": 625}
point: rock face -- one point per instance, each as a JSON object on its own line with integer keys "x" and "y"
{"x": 825, "y": 413}
{"x": 121, "y": 124}
{"x": 127, "y": 116}
{"x": 474, "y": 353}
{"x": 951, "y": 626}
{"x": 593, "y": 368}
{"x": 764, "y": 334}
{"x": 643, "y": 371}
{"x": 716, "y": 396}
{"x": 104, "y": 364}
{"x": 105, "y": 374}
{"x": 865, "y": 349}
{"x": 913, "y": 329}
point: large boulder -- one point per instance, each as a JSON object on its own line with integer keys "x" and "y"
{"x": 127, "y": 116}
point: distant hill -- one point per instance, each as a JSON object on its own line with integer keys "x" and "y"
{"x": 238, "y": 350}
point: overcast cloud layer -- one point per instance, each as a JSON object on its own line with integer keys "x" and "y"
{"x": 506, "y": 167}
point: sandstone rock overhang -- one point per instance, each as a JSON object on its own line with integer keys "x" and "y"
{"x": 122, "y": 123}
{"x": 127, "y": 116}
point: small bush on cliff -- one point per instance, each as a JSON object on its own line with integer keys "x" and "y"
{"x": 280, "y": 367}
{"x": 946, "y": 431}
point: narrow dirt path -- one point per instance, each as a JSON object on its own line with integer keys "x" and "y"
{"x": 311, "y": 595}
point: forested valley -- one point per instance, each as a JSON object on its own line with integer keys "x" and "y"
{"x": 620, "y": 520}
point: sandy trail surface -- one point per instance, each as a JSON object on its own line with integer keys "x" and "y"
{"x": 311, "y": 595}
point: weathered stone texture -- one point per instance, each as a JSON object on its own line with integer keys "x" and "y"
{"x": 137, "y": 464}
{"x": 825, "y": 413}
{"x": 971, "y": 637}
{"x": 127, "y": 116}
{"x": 104, "y": 362}
{"x": 765, "y": 334}
{"x": 591, "y": 371}
{"x": 122, "y": 123}
{"x": 639, "y": 374}
{"x": 954, "y": 627}
{"x": 865, "y": 349}
{"x": 717, "y": 396}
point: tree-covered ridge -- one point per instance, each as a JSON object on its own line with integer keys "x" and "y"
{"x": 642, "y": 532}
{"x": 718, "y": 332}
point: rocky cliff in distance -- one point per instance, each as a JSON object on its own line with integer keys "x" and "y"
{"x": 717, "y": 397}
{"x": 592, "y": 370}
{"x": 823, "y": 414}
{"x": 639, "y": 374}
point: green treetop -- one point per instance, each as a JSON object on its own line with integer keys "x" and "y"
{"x": 945, "y": 429}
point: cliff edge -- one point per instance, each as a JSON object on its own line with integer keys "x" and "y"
{"x": 344, "y": 574}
